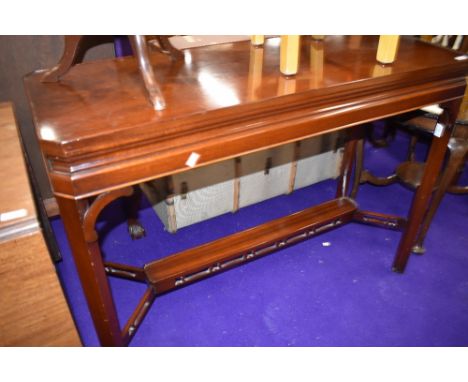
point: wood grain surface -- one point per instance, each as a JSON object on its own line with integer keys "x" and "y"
{"x": 224, "y": 253}
{"x": 33, "y": 309}
{"x": 15, "y": 189}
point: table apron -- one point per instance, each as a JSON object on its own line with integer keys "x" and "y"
{"x": 79, "y": 178}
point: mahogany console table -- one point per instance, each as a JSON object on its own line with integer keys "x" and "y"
{"x": 100, "y": 137}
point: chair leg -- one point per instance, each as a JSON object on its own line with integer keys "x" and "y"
{"x": 347, "y": 164}
{"x": 455, "y": 188}
{"x": 168, "y": 48}
{"x": 387, "y": 135}
{"x": 69, "y": 58}
{"x": 412, "y": 148}
{"x": 140, "y": 50}
{"x": 132, "y": 205}
{"x": 365, "y": 176}
{"x": 359, "y": 168}
{"x": 457, "y": 155}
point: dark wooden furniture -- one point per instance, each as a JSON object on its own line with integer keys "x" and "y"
{"x": 100, "y": 137}
{"x": 411, "y": 173}
{"x": 421, "y": 124}
{"x": 33, "y": 309}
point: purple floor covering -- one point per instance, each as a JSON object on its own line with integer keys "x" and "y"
{"x": 310, "y": 294}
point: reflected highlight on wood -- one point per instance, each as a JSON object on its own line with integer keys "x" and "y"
{"x": 255, "y": 72}
{"x": 316, "y": 63}
{"x": 286, "y": 85}
{"x": 381, "y": 70}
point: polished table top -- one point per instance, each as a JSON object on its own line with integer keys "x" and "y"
{"x": 99, "y": 132}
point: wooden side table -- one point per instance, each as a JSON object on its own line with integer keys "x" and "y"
{"x": 33, "y": 310}
{"x": 100, "y": 137}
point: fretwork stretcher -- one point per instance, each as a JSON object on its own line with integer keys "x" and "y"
{"x": 186, "y": 267}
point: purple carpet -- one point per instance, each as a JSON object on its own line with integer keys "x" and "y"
{"x": 344, "y": 294}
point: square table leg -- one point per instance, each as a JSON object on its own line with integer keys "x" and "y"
{"x": 423, "y": 193}
{"x": 88, "y": 261}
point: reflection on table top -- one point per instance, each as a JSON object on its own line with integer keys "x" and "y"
{"x": 108, "y": 96}
{"x": 99, "y": 132}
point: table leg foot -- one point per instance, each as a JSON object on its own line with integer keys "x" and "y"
{"x": 418, "y": 250}
{"x": 132, "y": 205}
{"x": 135, "y": 229}
{"x": 397, "y": 270}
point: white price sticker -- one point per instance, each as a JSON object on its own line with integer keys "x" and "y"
{"x": 439, "y": 130}
{"x": 192, "y": 159}
{"x": 11, "y": 215}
